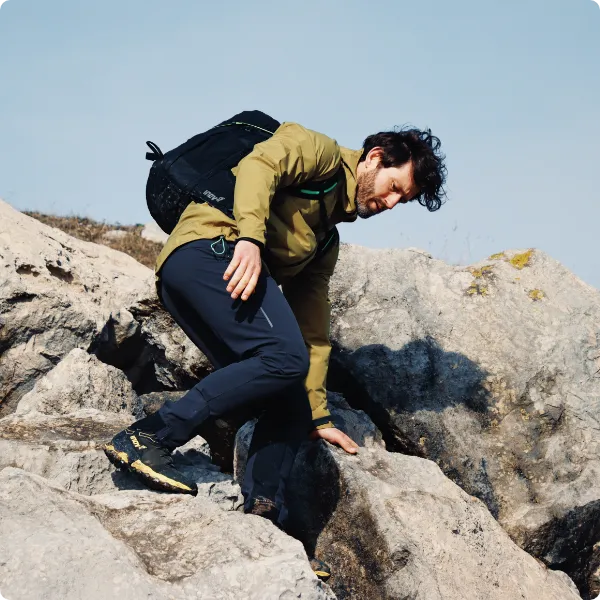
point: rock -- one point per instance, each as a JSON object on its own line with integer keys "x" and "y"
{"x": 56, "y": 294}
{"x": 177, "y": 363}
{"x": 67, "y": 450}
{"x": 393, "y": 526}
{"x": 139, "y": 545}
{"x": 115, "y": 234}
{"x": 153, "y": 233}
{"x": 493, "y": 372}
{"x": 79, "y": 381}
{"x": 143, "y": 340}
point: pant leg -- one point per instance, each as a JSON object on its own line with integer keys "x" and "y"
{"x": 259, "y": 354}
{"x": 275, "y": 442}
{"x": 259, "y": 339}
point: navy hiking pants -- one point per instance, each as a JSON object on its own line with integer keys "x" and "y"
{"x": 260, "y": 362}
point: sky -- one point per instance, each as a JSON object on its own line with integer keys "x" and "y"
{"x": 511, "y": 88}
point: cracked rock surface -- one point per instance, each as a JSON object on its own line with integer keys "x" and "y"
{"x": 394, "y": 527}
{"x": 136, "y": 545}
{"x": 56, "y": 294}
{"x": 72, "y": 527}
{"x": 493, "y": 372}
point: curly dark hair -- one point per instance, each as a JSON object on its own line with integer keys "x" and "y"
{"x": 423, "y": 149}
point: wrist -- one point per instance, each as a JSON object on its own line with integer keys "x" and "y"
{"x": 260, "y": 245}
{"x": 323, "y": 423}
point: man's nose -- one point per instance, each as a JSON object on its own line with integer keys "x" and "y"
{"x": 392, "y": 199}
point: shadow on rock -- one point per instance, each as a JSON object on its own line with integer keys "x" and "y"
{"x": 392, "y": 386}
{"x": 421, "y": 376}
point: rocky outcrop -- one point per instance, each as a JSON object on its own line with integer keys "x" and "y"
{"x": 59, "y": 427}
{"x": 56, "y": 294}
{"x": 138, "y": 545}
{"x": 176, "y": 363}
{"x": 80, "y": 381}
{"x": 394, "y": 527}
{"x": 492, "y": 371}
{"x": 144, "y": 342}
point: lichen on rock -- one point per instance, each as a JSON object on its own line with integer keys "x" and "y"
{"x": 521, "y": 260}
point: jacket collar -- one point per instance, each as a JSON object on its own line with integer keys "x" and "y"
{"x": 350, "y": 160}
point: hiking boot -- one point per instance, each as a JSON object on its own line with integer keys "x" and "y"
{"x": 265, "y": 508}
{"x": 142, "y": 454}
{"x": 320, "y": 569}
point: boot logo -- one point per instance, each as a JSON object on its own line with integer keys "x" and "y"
{"x": 135, "y": 442}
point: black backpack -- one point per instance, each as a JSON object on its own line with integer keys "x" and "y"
{"x": 200, "y": 169}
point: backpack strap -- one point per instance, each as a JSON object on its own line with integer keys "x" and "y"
{"x": 312, "y": 190}
{"x": 316, "y": 189}
{"x": 156, "y": 152}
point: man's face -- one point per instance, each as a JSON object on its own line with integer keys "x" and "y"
{"x": 379, "y": 188}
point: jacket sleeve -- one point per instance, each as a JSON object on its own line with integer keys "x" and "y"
{"x": 308, "y": 295}
{"x": 291, "y": 156}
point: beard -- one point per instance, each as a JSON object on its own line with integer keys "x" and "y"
{"x": 365, "y": 195}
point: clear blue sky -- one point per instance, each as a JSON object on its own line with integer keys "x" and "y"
{"x": 512, "y": 89}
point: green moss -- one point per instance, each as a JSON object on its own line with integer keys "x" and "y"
{"x": 536, "y": 295}
{"x": 520, "y": 261}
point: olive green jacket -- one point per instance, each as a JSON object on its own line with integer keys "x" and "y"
{"x": 290, "y": 229}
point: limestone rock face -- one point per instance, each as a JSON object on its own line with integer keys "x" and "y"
{"x": 56, "y": 294}
{"x": 177, "y": 362}
{"x": 153, "y": 233}
{"x": 143, "y": 340}
{"x": 493, "y": 372}
{"x": 79, "y": 381}
{"x": 65, "y": 450}
{"x": 140, "y": 545}
{"x": 394, "y": 527}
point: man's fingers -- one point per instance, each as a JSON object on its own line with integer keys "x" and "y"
{"x": 233, "y": 265}
{"x": 244, "y": 281}
{"x": 251, "y": 286}
{"x": 347, "y": 443}
{"x": 237, "y": 277}
{"x": 243, "y": 270}
{"x": 335, "y": 436}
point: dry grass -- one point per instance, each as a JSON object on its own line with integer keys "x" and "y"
{"x": 89, "y": 230}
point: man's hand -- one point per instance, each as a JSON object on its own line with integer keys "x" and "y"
{"x": 245, "y": 267}
{"x": 336, "y": 437}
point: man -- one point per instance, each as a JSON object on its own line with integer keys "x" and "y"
{"x": 219, "y": 278}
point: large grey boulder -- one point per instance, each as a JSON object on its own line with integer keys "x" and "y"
{"x": 56, "y": 294}
{"x": 67, "y": 450}
{"x": 60, "y": 426}
{"x": 394, "y": 527}
{"x": 142, "y": 339}
{"x": 136, "y": 545}
{"x": 80, "y": 381}
{"x": 493, "y": 372}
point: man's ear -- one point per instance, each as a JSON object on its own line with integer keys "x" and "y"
{"x": 374, "y": 157}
